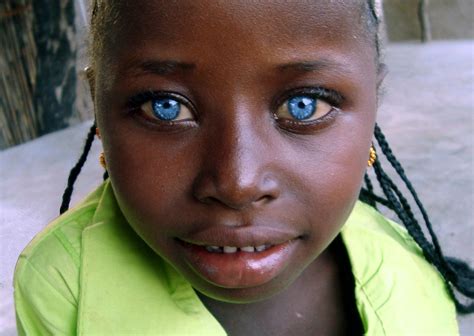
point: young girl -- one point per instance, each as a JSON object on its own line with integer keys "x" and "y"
{"x": 237, "y": 135}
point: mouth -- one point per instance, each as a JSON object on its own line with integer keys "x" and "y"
{"x": 241, "y": 266}
{"x": 234, "y": 249}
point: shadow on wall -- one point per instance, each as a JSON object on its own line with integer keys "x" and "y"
{"x": 39, "y": 87}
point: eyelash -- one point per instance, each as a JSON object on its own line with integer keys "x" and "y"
{"x": 331, "y": 97}
{"x": 134, "y": 103}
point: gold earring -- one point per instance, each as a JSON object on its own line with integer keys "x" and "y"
{"x": 372, "y": 156}
{"x": 102, "y": 160}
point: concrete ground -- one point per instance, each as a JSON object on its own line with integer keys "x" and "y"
{"x": 426, "y": 112}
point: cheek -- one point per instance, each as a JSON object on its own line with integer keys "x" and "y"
{"x": 151, "y": 180}
{"x": 329, "y": 179}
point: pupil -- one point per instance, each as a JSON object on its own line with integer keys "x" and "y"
{"x": 166, "y": 108}
{"x": 302, "y": 107}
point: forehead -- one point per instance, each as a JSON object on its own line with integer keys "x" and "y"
{"x": 289, "y": 16}
{"x": 222, "y": 23}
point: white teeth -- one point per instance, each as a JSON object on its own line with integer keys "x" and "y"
{"x": 233, "y": 249}
{"x": 260, "y": 248}
{"x": 230, "y": 249}
{"x": 213, "y": 249}
{"x": 247, "y": 249}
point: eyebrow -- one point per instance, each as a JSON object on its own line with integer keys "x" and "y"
{"x": 312, "y": 66}
{"x": 160, "y": 67}
{"x": 169, "y": 67}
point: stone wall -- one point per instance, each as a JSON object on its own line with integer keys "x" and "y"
{"x": 447, "y": 19}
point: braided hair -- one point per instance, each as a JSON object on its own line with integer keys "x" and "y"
{"x": 458, "y": 276}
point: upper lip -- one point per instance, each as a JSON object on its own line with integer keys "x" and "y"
{"x": 240, "y": 236}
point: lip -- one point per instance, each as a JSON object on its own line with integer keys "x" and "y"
{"x": 239, "y": 269}
{"x": 240, "y": 236}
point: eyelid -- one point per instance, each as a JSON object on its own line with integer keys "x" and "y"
{"x": 184, "y": 113}
{"x": 332, "y": 97}
{"x": 141, "y": 98}
{"x": 134, "y": 108}
{"x": 308, "y": 126}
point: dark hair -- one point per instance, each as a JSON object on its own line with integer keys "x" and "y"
{"x": 458, "y": 276}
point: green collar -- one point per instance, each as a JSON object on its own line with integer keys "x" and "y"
{"x": 126, "y": 288}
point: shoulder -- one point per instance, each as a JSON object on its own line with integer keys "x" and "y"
{"x": 395, "y": 285}
{"x": 46, "y": 279}
{"x": 59, "y": 243}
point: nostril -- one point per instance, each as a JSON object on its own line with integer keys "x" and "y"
{"x": 235, "y": 191}
{"x": 265, "y": 199}
{"x": 208, "y": 200}
{"x": 235, "y": 198}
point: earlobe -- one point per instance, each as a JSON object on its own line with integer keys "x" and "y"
{"x": 382, "y": 71}
{"x": 89, "y": 72}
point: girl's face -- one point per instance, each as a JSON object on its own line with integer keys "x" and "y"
{"x": 237, "y": 124}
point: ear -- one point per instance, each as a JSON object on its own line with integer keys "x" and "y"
{"x": 90, "y": 76}
{"x": 382, "y": 71}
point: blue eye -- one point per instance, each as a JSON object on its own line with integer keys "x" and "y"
{"x": 166, "y": 108}
{"x": 301, "y": 107}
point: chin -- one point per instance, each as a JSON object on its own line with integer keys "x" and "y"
{"x": 244, "y": 295}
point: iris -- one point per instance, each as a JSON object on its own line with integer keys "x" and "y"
{"x": 301, "y": 107}
{"x": 166, "y": 108}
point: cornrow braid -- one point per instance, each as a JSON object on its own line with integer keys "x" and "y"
{"x": 374, "y": 21}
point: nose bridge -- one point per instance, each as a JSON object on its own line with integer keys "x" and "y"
{"x": 237, "y": 162}
{"x": 235, "y": 168}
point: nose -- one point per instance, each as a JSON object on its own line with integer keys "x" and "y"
{"x": 237, "y": 170}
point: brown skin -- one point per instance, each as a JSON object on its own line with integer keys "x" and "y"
{"x": 235, "y": 165}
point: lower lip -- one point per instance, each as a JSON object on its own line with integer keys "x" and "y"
{"x": 239, "y": 269}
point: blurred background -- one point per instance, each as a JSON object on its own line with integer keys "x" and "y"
{"x": 427, "y": 113}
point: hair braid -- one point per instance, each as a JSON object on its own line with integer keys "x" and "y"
{"x": 369, "y": 198}
{"x": 367, "y": 195}
{"x": 384, "y": 146}
{"x": 403, "y": 210}
{"x": 374, "y": 22}
{"x": 399, "y": 169}
{"x": 457, "y": 274}
{"x": 370, "y": 190}
{"x": 74, "y": 173}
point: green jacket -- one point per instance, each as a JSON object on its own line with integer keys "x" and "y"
{"x": 88, "y": 273}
